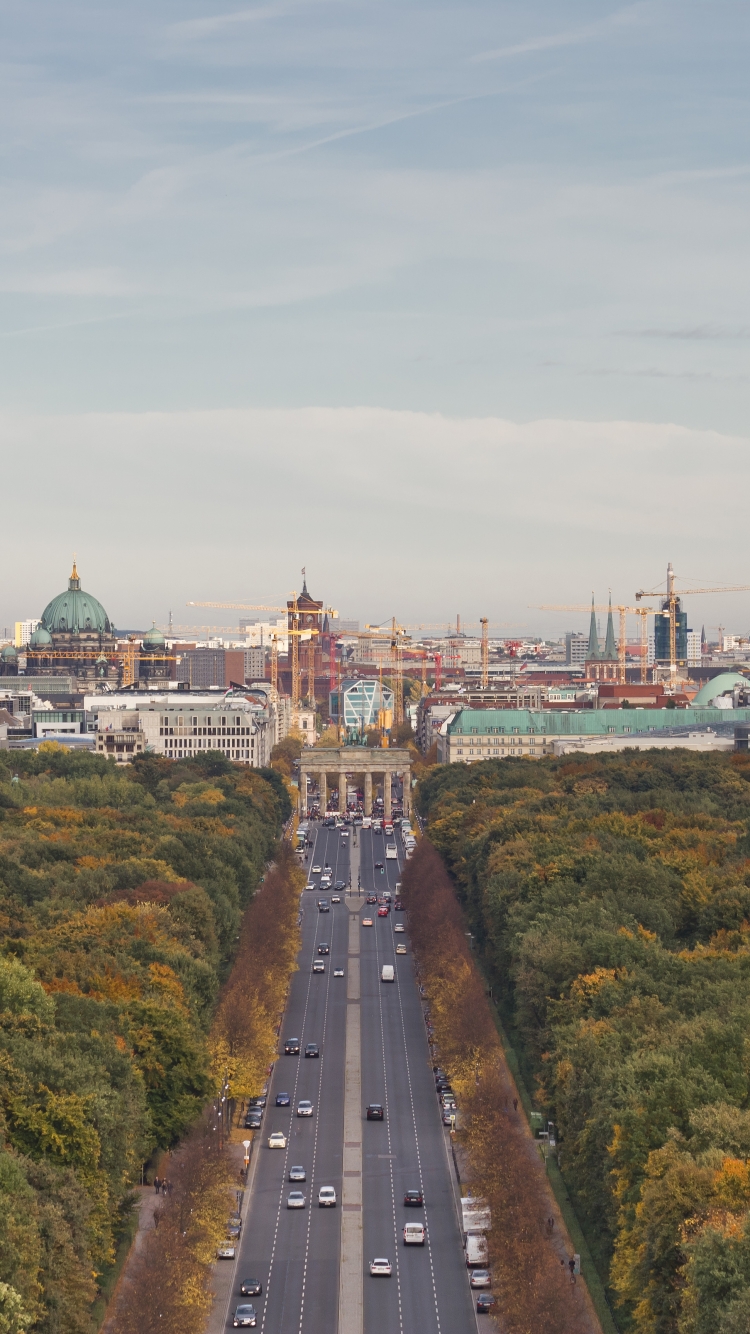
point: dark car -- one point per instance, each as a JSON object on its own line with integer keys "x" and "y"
{"x": 324, "y": 947}
{"x": 443, "y": 1085}
{"x": 485, "y": 1302}
{"x": 244, "y": 1315}
{"x": 252, "y": 1287}
{"x": 378, "y": 866}
{"x": 438, "y": 1073}
{"x": 324, "y": 905}
{"x": 312, "y": 1049}
{"x": 398, "y": 906}
{"x": 340, "y": 884}
{"x": 329, "y": 822}
{"x": 283, "y": 1100}
{"x": 371, "y": 898}
{"x": 414, "y": 1197}
{"x": 233, "y": 1230}
{"x": 291, "y": 1047}
{"x": 260, "y": 1101}
{"x": 253, "y": 1120}
{"x": 375, "y": 1111}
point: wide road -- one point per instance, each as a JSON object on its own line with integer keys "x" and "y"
{"x": 295, "y": 1253}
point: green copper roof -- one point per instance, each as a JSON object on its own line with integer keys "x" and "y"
{"x": 588, "y": 722}
{"x": 75, "y": 612}
{"x": 594, "y": 652}
{"x": 719, "y": 685}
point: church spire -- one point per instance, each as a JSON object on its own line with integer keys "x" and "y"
{"x": 593, "y": 653}
{"x": 610, "y": 645}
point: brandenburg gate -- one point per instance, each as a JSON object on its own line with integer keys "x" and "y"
{"x": 344, "y": 760}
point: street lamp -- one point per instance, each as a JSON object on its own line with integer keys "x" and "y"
{"x": 246, "y": 1147}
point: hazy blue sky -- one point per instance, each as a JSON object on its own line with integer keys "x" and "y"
{"x": 345, "y": 278}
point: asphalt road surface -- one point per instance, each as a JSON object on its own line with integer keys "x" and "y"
{"x": 295, "y": 1253}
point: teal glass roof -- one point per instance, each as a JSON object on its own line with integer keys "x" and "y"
{"x": 587, "y": 722}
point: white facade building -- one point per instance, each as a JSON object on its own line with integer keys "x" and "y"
{"x": 180, "y": 725}
{"x": 23, "y": 632}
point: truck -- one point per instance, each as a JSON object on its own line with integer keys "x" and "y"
{"x": 476, "y": 1215}
{"x": 367, "y": 822}
{"x": 475, "y": 1249}
{"x": 387, "y": 973}
{"x": 391, "y": 852}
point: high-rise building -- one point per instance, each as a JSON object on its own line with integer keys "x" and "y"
{"x": 576, "y": 646}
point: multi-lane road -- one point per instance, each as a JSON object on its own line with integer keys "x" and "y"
{"x": 296, "y": 1253}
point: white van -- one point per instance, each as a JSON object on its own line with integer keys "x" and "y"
{"x": 387, "y": 973}
{"x": 391, "y": 852}
{"x": 476, "y": 1250}
{"x": 366, "y": 821}
{"x": 413, "y": 1234}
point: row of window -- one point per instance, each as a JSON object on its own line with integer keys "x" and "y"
{"x": 223, "y": 743}
{"x": 209, "y": 720}
{"x": 208, "y": 731}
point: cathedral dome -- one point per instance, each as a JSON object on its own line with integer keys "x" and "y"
{"x": 153, "y": 641}
{"x": 8, "y": 654}
{"x": 75, "y": 612}
{"x": 41, "y": 638}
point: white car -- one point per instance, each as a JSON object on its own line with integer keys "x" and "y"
{"x": 277, "y": 1140}
{"x": 226, "y": 1251}
{"x": 398, "y": 928}
{"x": 338, "y": 972}
{"x": 335, "y": 898}
{"x": 304, "y": 1108}
{"x": 381, "y": 1266}
{"x": 401, "y": 949}
{"x": 295, "y": 1199}
{"x": 311, "y": 885}
{"x": 316, "y": 870}
{"x": 326, "y": 1197}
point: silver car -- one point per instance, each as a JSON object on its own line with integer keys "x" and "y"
{"x": 295, "y": 1199}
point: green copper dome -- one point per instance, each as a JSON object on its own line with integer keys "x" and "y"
{"x": 153, "y": 640}
{"x": 41, "y": 638}
{"x": 75, "y": 612}
{"x": 8, "y": 654}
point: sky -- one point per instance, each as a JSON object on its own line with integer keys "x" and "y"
{"x": 446, "y": 302}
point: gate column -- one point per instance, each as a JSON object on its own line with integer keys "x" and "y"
{"x": 368, "y": 792}
{"x": 342, "y": 794}
{"x": 387, "y": 795}
{"x": 323, "y": 790}
{"x": 406, "y": 780}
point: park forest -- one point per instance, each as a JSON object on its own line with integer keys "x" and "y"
{"x": 610, "y": 901}
{"x": 121, "y": 897}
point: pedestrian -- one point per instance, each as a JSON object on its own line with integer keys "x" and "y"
{"x": 157, "y": 1184}
{"x": 572, "y": 1268}
{"x": 515, "y": 1104}
{"x": 550, "y": 1226}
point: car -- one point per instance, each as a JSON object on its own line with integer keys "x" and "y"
{"x": 401, "y": 949}
{"x": 283, "y": 1100}
{"x": 253, "y": 1119}
{"x": 338, "y": 972}
{"x": 398, "y": 906}
{"x": 312, "y": 1049}
{"x": 375, "y": 1111}
{"x": 305, "y": 1107}
{"x": 371, "y": 898}
{"x": 323, "y": 905}
{"x": 226, "y": 1251}
{"x": 277, "y": 1140}
{"x": 325, "y": 882}
{"x": 379, "y": 866}
{"x": 324, "y": 947}
{"x": 399, "y": 927}
{"x": 295, "y": 1199}
{"x": 448, "y": 1117}
{"x": 318, "y": 966}
{"x": 485, "y": 1302}
{"x": 381, "y": 1266}
{"x": 244, "y": 1315}
{"x": 260, "y": 1101}
{"x": 233, "y": 1231}
{"x": 311, "y": 885}
{"x": 291, "y": 1047}
{"x": 383, "y": 911}
{"x": 252, "y": 1287}
{"x": 414, "y": 1198}
{"x": 414, "y": 1234}
{"x": 480, "y": 1278}
{"x": 326, "y": 1197}
{"x": 377, "y": 829}
{"x": 443, "y": 1084}
{"x": 367, "y": 921}
{"x": 340, "y": 885}
{"x": 335, "y": 898}
{"x": 316, "y": 870}
{"x": 297, "y": 1174}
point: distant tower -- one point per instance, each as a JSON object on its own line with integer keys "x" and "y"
{"x": 602, "y": 664}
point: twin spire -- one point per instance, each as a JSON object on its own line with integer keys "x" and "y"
{"x": 609, "y": 652}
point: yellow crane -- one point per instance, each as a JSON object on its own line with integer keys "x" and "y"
{"x": 483, "y": 621}
{"x": 669, "y": 610}
{"x": 643, "y": 612}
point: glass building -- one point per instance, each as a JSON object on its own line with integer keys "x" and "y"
{"x": 362, "y": 705}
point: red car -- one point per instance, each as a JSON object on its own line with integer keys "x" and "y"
{"x": 382, "y": 912}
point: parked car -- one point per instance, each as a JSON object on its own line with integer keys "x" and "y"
{"x": 480, "y": 1278}
{"x": 485, "y": 1302}
{"x": 226, "y": 1251}
{"x": 253, "y": 1119}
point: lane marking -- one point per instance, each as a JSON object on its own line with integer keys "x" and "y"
{"x": 390, "y": 1145}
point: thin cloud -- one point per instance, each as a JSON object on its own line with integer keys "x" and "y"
{"x": 575, "y": 37}
{"x": 694, "y": 333}
{"x": 190, "y": 28}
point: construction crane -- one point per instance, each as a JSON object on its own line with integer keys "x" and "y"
{"x": 235, "y": 606}
{"x": 485, "y": 652}
{"x": 643, "y": 612}
{"x": 670, "y": 604}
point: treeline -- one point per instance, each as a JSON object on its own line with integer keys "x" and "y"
{"x": 611, "y": 899}
{"x": 531, "y": 1286}
{"x": 166, "y": 1288}
{"x": 121, "y": 895}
